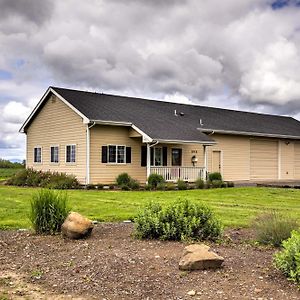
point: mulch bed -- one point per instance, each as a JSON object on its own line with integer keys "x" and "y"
{"x": 113, "y": 265}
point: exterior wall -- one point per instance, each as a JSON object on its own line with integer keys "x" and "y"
{"x": 287, "y": 160}
{"x": 235, "y": 156}
{"x": 102, "y": 135}
{"x": 57, "y": 125}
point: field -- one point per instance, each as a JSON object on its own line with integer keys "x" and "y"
{"x": 5, "y": 173}
{"x": 236, "y": 207}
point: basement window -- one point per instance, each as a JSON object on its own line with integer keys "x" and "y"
{"x": 37, "y": 155}
{"x": 71, "y": 153}
{"x": 54, "y": 154}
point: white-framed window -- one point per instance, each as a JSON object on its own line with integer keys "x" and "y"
{"x": 54, "y": 154}
{"x": 71, "y": 153}
{"x": 116, "y": 154}
{"x": 37, "y": 154}
{"x": 157, "y": 156}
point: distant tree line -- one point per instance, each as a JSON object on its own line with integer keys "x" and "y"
{"x": 6, "y": 164}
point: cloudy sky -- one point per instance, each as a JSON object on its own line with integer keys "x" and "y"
{"x": 234, "y": 54}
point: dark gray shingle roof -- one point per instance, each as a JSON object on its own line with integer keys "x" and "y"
{"x": 157, "y": 119}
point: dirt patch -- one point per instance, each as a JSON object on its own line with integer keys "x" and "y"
{"x": 113, "y": 265}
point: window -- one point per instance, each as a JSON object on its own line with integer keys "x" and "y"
{"x": 54, "y": 154}
{"x": 176, "y": 157}
{"x": 116, "y": 154}
{"x": 157, "y": 156}
{"x": 37, "y": 155}
{"x": 70, "y": 153}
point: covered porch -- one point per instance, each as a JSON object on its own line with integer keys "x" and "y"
{"x": 174, "y": 161}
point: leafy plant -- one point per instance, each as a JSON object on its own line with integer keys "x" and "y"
{"x": 154, "y": 180}
{"x": 272, "y": 228}
{"x": 230, "y": 184}
{"x": 217, "y": 183}
{"x": 181, "y": 185}
{"x": 199, "y": 184}
{"x": 161, "y": 186}
{"x": 134, "y": 184}
{"x": 288, "y": 260}
{"x": 48, "y": 211}
{"x": 178, "y": 221}
{"x": 215, "y": 176}
{"x": 123, "y": 179}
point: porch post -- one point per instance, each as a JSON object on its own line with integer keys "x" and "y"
{"x": 148, "y": 161}
{"x": 205, "y": 162}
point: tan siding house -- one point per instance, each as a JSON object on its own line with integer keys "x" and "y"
{"x": 96, "y": 137}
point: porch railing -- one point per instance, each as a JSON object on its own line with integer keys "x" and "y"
{"x": 190, "y": 174}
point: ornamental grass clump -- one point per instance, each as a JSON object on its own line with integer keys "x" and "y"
{"x": 288, "y": 260}
{"x": 178, "y": 221}
{"x": 48, "y": 211}
{"x": 273, "y": 227}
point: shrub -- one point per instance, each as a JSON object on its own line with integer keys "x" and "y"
{"x": 170, "y": 186}
{"x": 161, "y": 186}
{"x": 125, "y": 187}
{"x": 199, "y": 184}
{"x": 215, "y": 176}
{"x": 147, "y": 187}
{"x": 288, "y": 260}
{"x": 217, "y": 183}
{"x": 123, "y": 179}
{"x": 230, "y": 184}
{"x": 272, "y": 228}
{"x": 100, "y": 186}
{"x": 90, "y": 187}
{"x": 182, "y": 185}
{"x": 55, "y": 180}
{"x": 178, "y": 221}
{"x": 134, "y": 184}
{"x": 154, "y": 180}
{"x": 48, "y": 211}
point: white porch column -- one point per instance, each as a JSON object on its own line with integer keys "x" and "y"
{"x": 148, "y": 160}
{"x": 87, "y": 176}
{"x": 205, "y": 162}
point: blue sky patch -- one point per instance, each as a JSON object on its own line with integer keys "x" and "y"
{"x": 278, "y": 4}
{"x": 5, "y": 75}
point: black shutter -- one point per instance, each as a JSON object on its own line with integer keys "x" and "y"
{"x": 165, "y": 156}
{"x": 144, "y": 156}
{"x": 128, "y": 155}
{"x": 151, "y": 156}
{"x": 104, "y": 154}
{"x": 180, "y": 157}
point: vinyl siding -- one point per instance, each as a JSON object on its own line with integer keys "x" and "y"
{"x": 235, "y": 156}
{"x": 297, "y": 160}
{"x": 286, "y": 151}
{"x": 57, "y": 125}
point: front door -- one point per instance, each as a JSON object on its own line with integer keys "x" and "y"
{"x": 216, "y": 161}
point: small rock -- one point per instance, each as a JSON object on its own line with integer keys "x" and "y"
{"x": 199, "y": 257}
{"x": 191, "y": 293}
{"x": 76, "y": 226}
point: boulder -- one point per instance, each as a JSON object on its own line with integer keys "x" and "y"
{"x": 199, "y": 257}
{"x": 76, "y": 226}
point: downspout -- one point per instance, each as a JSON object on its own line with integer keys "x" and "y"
{"x": 205, "y": 162}
{"x": 88, "y": 137}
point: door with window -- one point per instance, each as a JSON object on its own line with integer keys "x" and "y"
{"x": 176, "y": 157}
{"x": 216, "y": 161}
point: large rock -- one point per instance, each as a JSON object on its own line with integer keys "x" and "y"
{"x": 199, "y": 257}
{"x": 76, "y": 226}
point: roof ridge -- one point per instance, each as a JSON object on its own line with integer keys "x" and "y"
{"x": 169, "y": 102}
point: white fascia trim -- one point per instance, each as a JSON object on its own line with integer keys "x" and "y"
{"x": 251, "y": 133}
{"x": 85, "y": 119}
{"x": 185, "y": 142}
{"x": 146, "y": 138}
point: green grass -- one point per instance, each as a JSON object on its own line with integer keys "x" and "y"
{"x": 236, "y": 207}
{"x": 5, "y": 173}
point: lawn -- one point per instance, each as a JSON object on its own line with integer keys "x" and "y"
{"x": 5, "y": 173}
{"x": 236, "y": 207}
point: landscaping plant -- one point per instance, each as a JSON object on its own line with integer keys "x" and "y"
{"x": 199, "y": 184}
{"x": 178, "y": 221}
{"x": 182, "y": 185}
{"x": 272, "y": 228}
{"x": 215, "y": 176}
{"x": 123, "y": 179}
{"x": 288, "y": 260}
{"x": 154, "y": 180}
{"x": 48, "y": 211}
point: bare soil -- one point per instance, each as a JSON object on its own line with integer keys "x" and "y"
{"x": 113, "y": 265}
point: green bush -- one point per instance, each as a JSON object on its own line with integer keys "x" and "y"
{"x": 123, "y": 179}
{"x": 181, "y": 185}
{"x": 161, "y": 186}
{"x": 272, "y": 228}
{"x": 288, "y": 260}
{"x": 178, "y": 221}
{"x": 48, "y": 211}
{"x": 215, "y": 176}
{"x": 170, "y": 186}
{"x": 154, "y": 180}
{"x": 199, "y": 184}
{"x": 217, "y": 183}
{"x": 147, "y": 187}
{"x": 34, "y": 178}
{"x": 134, "y": 184}
{"x": 125, "y": 187}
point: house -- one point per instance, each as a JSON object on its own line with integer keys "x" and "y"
{"x": 98, "y": 136}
